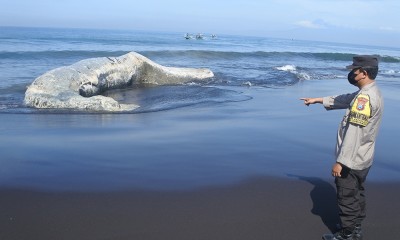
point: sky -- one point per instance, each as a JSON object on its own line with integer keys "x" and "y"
{"x": 367, "y": 22}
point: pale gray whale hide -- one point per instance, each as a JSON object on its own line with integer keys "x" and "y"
{"x": 79, "y": 86}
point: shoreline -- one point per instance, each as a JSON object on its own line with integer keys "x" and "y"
{"x": 251, "y": 172}
{"x": 257, "y": 208}
{"x": 273, "y": 134}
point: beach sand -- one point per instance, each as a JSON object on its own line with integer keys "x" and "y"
{"x": 258, "y": 208}
{"x": 249, "y": 170}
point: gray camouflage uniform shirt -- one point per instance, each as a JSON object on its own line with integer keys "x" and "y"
{"x": 357, "y": 132}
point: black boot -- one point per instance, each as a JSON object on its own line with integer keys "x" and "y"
{"x": 357, "y": 233}
{"x": 343, "y": 235}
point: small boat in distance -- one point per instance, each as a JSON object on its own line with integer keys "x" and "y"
{"x": 188, "y": 36}
{"x": 199, "y": 36}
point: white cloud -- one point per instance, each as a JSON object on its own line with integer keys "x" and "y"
{"x": 388, "y": 29}
{"x": 316, "y": 24}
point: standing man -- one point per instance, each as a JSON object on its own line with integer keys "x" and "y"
{"x": 355, "y": 142}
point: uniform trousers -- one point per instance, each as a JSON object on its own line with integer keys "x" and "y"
{"x": 351, "y": 197}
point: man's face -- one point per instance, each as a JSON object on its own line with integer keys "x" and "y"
{"x": 355, "y": 75}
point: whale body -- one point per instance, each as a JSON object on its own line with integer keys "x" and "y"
{"x": 79, "y": 86}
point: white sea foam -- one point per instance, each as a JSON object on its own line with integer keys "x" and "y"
{"x": 391, "y": 72}
{"x": 303, "y": 76}
{"x": 293, "y": 69}
{"x": 248, "y": 83}
{"x": 287, "y": 68}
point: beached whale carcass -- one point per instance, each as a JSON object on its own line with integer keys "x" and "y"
{"x": 79, "y": 86}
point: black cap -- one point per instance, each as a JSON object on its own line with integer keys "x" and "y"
{"x": 364, "y": 61}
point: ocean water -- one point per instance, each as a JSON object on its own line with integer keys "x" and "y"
{"x": 244, "y": 122}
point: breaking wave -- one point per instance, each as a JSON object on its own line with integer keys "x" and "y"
{"x": 205, "y": 54}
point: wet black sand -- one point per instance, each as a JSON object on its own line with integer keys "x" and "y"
{"x": 257, "y": 169}
{"x": 258, "y": 208}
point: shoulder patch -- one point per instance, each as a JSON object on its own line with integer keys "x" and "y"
{"x": 360, "y": 111}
